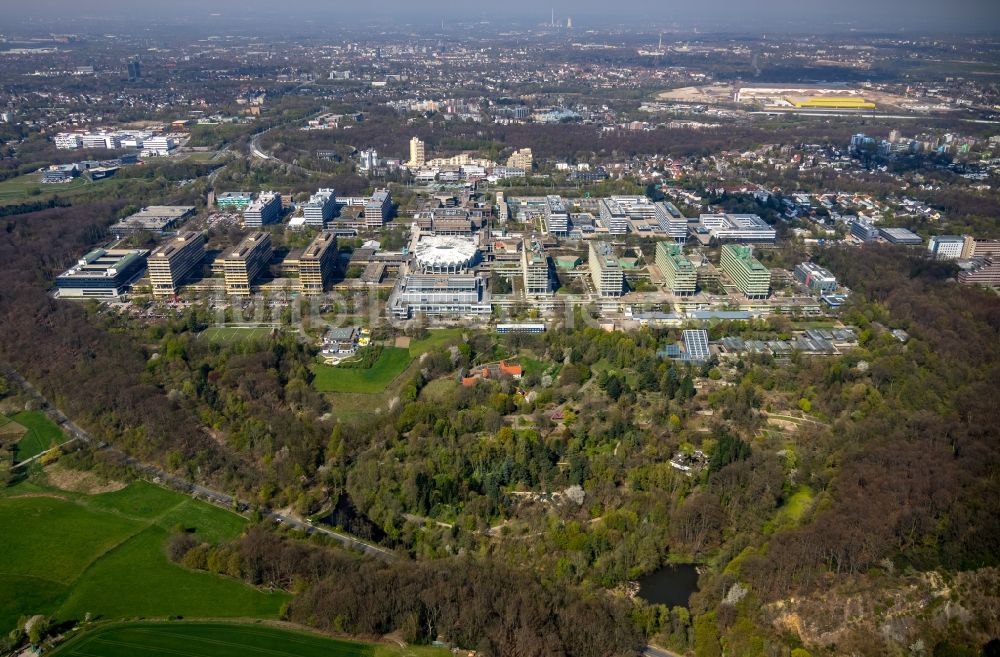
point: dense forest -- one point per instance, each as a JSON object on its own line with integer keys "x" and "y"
{"x": 892, "y": 474}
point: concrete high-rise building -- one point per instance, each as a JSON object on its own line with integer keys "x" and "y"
{"x": 418, "y": 153}
{"x": 317, "y": 263}
{"x": 171, "y": 263}
{"x": 378, "y": 209}
{"x": 241, "y": 266}
{"x": 606, "y": 271}
{"x": 670, "y": 221}
{"x": 556, "y": 216}
{"x": 320, "y": 208}
{"x": 134, "y": 70}
{"x": 521, "y": 159}
{"x": 264, "y": 210}
{"x": 946, "y": 247}
{"x": 535, "y": 268}
{"x": 613, "y": 216}
{"x": 751, "y": 277}
{"x": 681, "y": 277}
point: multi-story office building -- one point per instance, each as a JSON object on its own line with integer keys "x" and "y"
{"x": 317, "y": 263}
{"x": 378, "y": 209}
{"x": 863, "y": 230}
{"x": 613, "y": 216}
{"x": 535, "y": 268}
{"x": 671, "y": 221}
{"x": 102, "y": 273}
{"x": 158, "y": 145}
{"x": 985, "y": 271}
{"x": 606, "y": 271}
{"x": 320, "y": 208}
{"x": 101, "y": 140}
{"x": 751, "y": 277}
{"x": 171, "y": 263}
{"x": 636, "y": 207}
{"x": 241, "y": 266}
{"x": 815, "y": 277}
{"x": 946, "y": 247}
{"x": 68, "y": 141}
{"x": 974, "y": 248}
{"x": 233, "y": 200}
{"x": 264, "y": 210}
{"x": 418, "y": 153}
{"x": 521, "y": 159}
{"x": 435, "y": 295}
{"x": 556, "y": 216}
{"x": 134, "y": 70}
{"x": 737, "y": 228}
{"x": 681, "y": 277}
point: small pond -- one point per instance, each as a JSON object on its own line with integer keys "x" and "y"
{"x": 671, "y": 585}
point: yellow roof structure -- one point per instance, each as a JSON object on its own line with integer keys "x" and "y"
{"x": 831, "y": 102}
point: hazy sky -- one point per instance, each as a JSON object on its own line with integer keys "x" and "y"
{"x": 707, "y": 15}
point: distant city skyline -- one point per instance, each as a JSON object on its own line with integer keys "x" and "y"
{"x": 777, "y": 16}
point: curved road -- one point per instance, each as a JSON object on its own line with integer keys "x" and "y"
{"x": 194, "y": 490}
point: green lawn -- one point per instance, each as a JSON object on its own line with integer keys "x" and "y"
{"x": 68, "y": 554}
{"x": 16, "y": 190}
{"x": 42, "y": 434}
{"x": 390, "y": 364}
{"x": 235, "y": 333}
{"x": 207, "y": 640}
{"x": 437, "y": 340}
{"x": 210, "y": 639}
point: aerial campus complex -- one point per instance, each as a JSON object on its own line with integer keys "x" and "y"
{"x": 430, "y": 329}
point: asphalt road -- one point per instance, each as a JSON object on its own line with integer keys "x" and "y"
{"x": 163, "y": 477}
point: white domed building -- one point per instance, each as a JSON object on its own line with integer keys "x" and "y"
{"x": 445, "y": 254}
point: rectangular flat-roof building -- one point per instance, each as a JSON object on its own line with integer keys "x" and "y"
{"x": 863, "y": 230}
{"x": 556, "y": 216}
{"x": 171, "y": 263}
{"x": 613, "y": 216}
{"x": 670, "y": 221}
{"x": 233, "y": 200}
{"x": 751, "y": 277}
{"x": 102, "y": 273}
{"x": 605, "y": 270}
{"x": 815, "y": 277}
{"x": 946, "y": 247}
{"x": 737, "y": 228}
{"x": 378, "y": 209}
{"x": 320, "y": 208}
{"x": 900, "y": 236}
{"x": 316, "y": 264}
{"x": 437, "y": 295}
{"x": 535, "y": 268}
{"x": 152, "y": 219}
{"x": 676, "y": 269}
{"x": 242, "y": 265}
{"x": 264, "y": 210}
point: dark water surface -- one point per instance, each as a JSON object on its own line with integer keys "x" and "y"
{"x": 671, "y": 585}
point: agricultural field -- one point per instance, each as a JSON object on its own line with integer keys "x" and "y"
{"x": 69, "y": 554}
{"x": 235, "y": 333}
{"x": 42, "y": 434}
{"x": 390, "y": 365}
{"x": 223, "y": 640}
